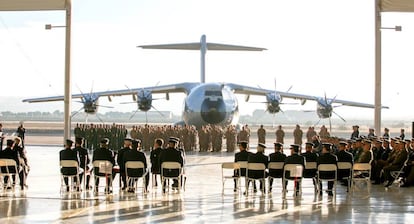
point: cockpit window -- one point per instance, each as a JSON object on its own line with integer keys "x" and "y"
{"x": 213, "y": 93}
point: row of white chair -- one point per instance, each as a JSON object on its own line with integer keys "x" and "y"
{"x": 104, "y": 169}
{"x": 363, "y": 171}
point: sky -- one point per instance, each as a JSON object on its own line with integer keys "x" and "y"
{"x": 318, "y": 47}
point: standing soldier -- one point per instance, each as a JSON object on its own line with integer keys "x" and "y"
{"x": 280, "y": 135}
{"x": 297, "y": 135}
{"x": 310, "y": 133}
{"x": 230, "y": 136}
{"x": 243, "y": 135}
{"x": 261, "y": 134}
{"x": 355, "y": 132}
{"x": 323, "y": 133}
{"x": 20, "y": 132}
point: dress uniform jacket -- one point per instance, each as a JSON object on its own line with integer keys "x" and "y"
{"x": 327, "y": 158}
{"x": 344, "y": 156}
{"x": 310, "y": 157}
{"x": 295, "y": 159}
{"x": 171, "y": 155}
{"x": 242, "y": 156}
{"x": 103, "y": 154}
{"x": 68, "y": 154}
{"x": 276, "y": 157}
{"x": 258, "y": 157}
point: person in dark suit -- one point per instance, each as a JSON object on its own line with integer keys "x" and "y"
{"x": 344, "y": 156}
{"x": 295, "y": 158}
{"x": 258, "y": 157}
{"x": 23, "y": 162}
{"x": 9, "y": 153}
{"x": 277, "y": 156}
{"x": 83, "y": 159}
{"x": 171, "y": 154}
{"x": 310, "y": 156}
{"x": 154, "y": 157}
{"x": 68, "y": 154}
{"x": 135, "y": 154}
{"x": 103, "y": 153}
{"x": 243, "y": 155}
{"x": 121, "y": 162}
{"x": 327, "y": 158}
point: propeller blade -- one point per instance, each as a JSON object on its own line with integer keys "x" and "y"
{"x": 76, "y": 112}
{"x": 99, "y": 118}
{"x": 127, "y": 102}
{"x": 105, "y": 106}
{"x": 318, "y": 122}
{"x": 157, "y": 111}
{"x": 289, "y": 88}
{"x": 133, "y": 114}
{"x": 339, "y": 116}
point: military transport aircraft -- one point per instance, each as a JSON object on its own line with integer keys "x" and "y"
{"x": 207, "y": 103}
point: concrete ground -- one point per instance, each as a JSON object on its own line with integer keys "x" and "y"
{"x": 201, "y": 202}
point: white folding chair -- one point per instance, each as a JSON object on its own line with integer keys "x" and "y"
{"x": 347, "y": 166}
{"x": 172, "y": 166}
{"x": 131, "y": 170}
{"x": 73, "y": 177}
{"x": 253, "y": 168}
{"x": 295, "y": 172}
{"x": 228, "y": 172}
{"x": 274, "y": 167}
{"x": 103, "y": 169}
{"x": 243, "y": 166}
{"x": 397, "y": 174}
{"x": 8, "y": 168}
{"x": 332, "y": 168}
{"x": 361, "y": 173}
{"x": 311, "y": 167}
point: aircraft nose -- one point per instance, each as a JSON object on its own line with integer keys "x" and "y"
{"x": 213, "y": 112}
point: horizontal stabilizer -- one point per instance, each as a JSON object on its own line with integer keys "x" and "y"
{"x": 197, "y": 46}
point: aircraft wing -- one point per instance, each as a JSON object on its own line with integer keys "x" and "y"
{"x": 248, "y": 90}
{"x": 172, "y": 88}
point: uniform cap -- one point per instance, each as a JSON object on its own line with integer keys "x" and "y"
{"x": 173, "y": 140}
{"x": 262, "y": 145}
{"x": 310, "y": 143}
{"x": 243, "y": 143}
{"x": 343, "y": 143}
{"x": 68, "y": 142}
{"x": 105, "y": 141}
{"x": 278, "y": 144}
{"x": 128, "y": 139}
{"x": 295, "y": 147}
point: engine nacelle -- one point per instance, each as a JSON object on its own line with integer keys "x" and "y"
{"x": 144, "y": 100}
{"x": 273, "y": 102}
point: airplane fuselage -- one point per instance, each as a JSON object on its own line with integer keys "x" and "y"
{"x": 211, "y": 103}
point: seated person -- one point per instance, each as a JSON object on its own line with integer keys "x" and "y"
{"x": 135, "y": 154}
{"x": 327, "y": 158}
{"x": 243, "y": 155}
{"x": 294, "y": 158}
{"x": 277, "y": 156}
{"x": 103, "y": 153}
{"x": 258, "y": 157}
{"x": 171, "y": 154}
{"x": 154, "y": 157}
{"x": 69, "y": 154}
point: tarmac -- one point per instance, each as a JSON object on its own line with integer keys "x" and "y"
{"x": 203, "y": 201}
